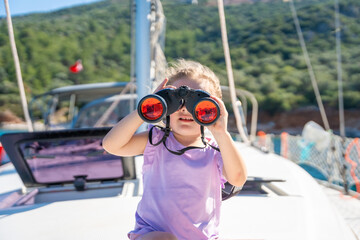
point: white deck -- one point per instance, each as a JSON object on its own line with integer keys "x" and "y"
{"x": 298, "y": 209}
{"x": 347, "y": 206}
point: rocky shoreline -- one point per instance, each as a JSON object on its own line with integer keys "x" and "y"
{"x": 294, "y": 121}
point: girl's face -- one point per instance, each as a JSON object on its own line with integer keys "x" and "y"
{"x": 181, "y": 121}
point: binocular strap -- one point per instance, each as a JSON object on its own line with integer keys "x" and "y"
{"x": 167, "y": 130}
{"x": 205, "y": 142}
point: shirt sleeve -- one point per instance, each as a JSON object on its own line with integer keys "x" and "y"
{"x": 220, "y": 165}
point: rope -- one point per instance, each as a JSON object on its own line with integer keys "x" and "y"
{"x": 354, "y": 143}
{"x": 17, "y": 68}
{"x": 157, "y": 43}
{"x": 230, "y": 72}
{"x": 309, "y": 66}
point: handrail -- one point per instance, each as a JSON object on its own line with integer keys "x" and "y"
{"x": 128, "y": 88}
{"x": 255, "y": 109}
{"x": 254, "y": 114}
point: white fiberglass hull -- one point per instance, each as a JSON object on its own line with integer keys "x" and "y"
{"x": 294, "y": 209}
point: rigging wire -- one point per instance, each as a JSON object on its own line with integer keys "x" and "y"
{"x": 309, "y": 66}
{"x": 17, "y": 68}
{"x": 130, "y": 87}
{"x": 230, "y": 72}
{"x": 339, "y": 70}
{"x": 341, "y": 99}
{"x": 332, "y": 146}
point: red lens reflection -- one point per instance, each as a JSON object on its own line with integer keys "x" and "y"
{"x": 152, "y": 109}
{"x": 206, "y": 111}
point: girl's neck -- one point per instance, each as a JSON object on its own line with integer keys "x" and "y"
{"x": 193, "y": 140}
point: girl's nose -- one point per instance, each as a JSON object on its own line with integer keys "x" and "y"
{"x": 182, "y": 109}
{"x": 182, "y": 106}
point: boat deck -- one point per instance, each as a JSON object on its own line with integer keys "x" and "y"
{"x": 347, "y": 206}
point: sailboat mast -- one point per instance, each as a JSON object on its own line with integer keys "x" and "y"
{"x": 142, "y": 46}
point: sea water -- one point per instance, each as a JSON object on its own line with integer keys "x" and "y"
{"x": 3, "y": 131}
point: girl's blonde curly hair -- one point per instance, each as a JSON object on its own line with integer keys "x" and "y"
{"x": 194, "y": 71}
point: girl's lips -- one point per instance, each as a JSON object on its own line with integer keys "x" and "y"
{"x": 186, "y": 119}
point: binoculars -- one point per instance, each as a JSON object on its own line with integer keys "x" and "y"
{"x": 154, "y": 107}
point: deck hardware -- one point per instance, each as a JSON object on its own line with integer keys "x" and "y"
{"x": 80, "y": 182}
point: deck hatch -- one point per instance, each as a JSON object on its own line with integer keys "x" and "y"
{"x": 56, "y": 157}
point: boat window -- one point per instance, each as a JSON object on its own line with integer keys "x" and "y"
{"x": 55, "y": 161}
{"x": 90, "y": 115}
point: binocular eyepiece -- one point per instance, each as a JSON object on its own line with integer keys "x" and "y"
{"x": 154, "y": 107}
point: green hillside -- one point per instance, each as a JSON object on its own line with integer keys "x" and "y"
{"x": 265, "y": 50}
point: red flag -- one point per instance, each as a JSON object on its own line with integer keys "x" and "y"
{"x": 1, "y": 152}
{"x": 77, "y": 67}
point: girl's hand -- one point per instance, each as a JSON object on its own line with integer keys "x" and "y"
{"x": 163, "y": 85}
{"x": 220, "y": 126}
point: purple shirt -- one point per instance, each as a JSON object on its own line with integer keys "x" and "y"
{"x": 182, "y": 194}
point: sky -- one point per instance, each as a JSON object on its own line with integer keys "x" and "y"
{"x": 19, "y": 7}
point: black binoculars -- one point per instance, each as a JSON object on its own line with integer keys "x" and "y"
{"x": 154, "y": 107}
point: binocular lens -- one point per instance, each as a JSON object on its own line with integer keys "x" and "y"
{"x": 206, "y": 112}
{"x": 152, "y": 109}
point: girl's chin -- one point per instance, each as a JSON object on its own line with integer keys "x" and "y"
{"x": 187, "y": 130}
{"x": 188, "y": 122}
{"x": 188, "y": 125}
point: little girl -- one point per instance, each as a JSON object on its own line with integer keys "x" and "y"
{"x": 182, "y": 193}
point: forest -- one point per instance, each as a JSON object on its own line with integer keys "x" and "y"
{"x": 265, "y": 50}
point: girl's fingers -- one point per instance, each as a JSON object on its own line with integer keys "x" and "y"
{"x": 162, "y": 85}
{"x": 221, "y": 104}
{"x": 221, "y": 124}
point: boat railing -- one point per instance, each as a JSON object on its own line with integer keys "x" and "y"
{"x": 336, "y": 163}
{"x": 243, "y": 95}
